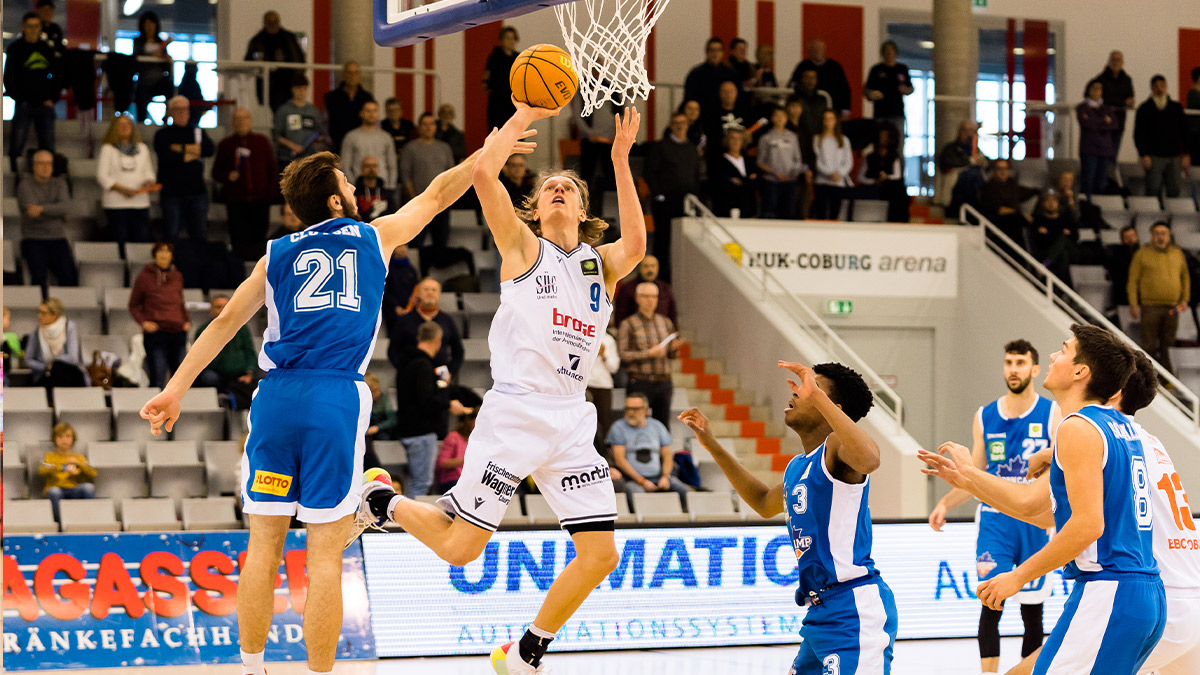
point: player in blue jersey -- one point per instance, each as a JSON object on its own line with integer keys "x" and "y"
{"x": 323, "y": 288}
{"x": 1099, "y": 494}
{"x": 1006, "y": 433}
{"x": 850, "y": 623}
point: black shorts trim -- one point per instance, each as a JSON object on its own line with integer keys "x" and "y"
{"x": 462, "y": 513}
{"x": 591, "y": 526}
{"x": 599, "y": 516}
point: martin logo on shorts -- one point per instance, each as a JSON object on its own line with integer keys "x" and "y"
{"x": 271, "y": 483}
{"x": 597, "y": 474}
{"x": 497, "y": 479}
{"x": 547, "y": 286}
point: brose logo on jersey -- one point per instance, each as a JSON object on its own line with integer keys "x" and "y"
{"x": 271, "y": 483}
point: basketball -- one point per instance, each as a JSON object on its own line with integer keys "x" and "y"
{"x": 500, "y": 658}
{"x": 543, "y": 77}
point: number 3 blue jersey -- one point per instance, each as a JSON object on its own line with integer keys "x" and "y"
{"x": 324, "y": 292}
{"x": 1127, "y": 544}
{"x": 1009, "y": 441}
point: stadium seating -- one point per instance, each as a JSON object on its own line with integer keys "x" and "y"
{"x": 88, "y": 515}
{"x": 1182, "y": 211}
{"x": 16, "y": 482}
{"x": 28, "y": 516}
{"x": 22, "y": 302}
{"x": 479, "y": 308}
{"x": 100, "y": 264}
{"x": 82, "y": 305}
{"x": 1112, "y": 209}
{"x": 114, "y": 344}
{"x": 120, "y": 471}
{"x": 27, "y": 414}
{"x": 392, "y": 456}
{"x": 210, "y": 513}
{"x": 1092, "y": 284}
{"x": 116, "y": 312}
{"x": 85, "y": 409}
{"x": 514, "y": 517}
{"x": 538, "y": 510}
{"x": 126, "y": 411}
{"x": 751, "y": 515}
{"x": 175, "y": 470}
{"x": 149, "y": 515}
{"x": 658, "y": 507}
{"x": 712, "y": 507}
{"x": 379, "y": 357}
{"x": 202, "y": 417}
{"x": 476, "y": 369}
{"x": 1187, "y": 326}
{"x": 222, "y": 462}
{"x": 869, "y": 211}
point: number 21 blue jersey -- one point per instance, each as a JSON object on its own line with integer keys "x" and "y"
{"x": 324, "y": 293}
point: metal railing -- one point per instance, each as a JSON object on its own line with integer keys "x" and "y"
{"x": 1061, "y": 296}
{"x": 774, "y": 290}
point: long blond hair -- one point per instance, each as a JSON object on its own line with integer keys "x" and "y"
{"x": 111, "y": 137}
{"x": 591, "y": 230}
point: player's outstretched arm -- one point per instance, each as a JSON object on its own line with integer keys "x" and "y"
{"x": 163, "y": 409}
{"x": 766, "y": 501}
{"x": 958, "y": 496}
{"x": 955, "y": 465}
{"x": 621, "y": 256}
{"x": 1081, "y": 456}
{"x": 401, "y": 226}
{"x": 849, "y": 444}
{"x": 516, "y": 243}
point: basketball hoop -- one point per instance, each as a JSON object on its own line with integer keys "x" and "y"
{"x": 607, "y": 43}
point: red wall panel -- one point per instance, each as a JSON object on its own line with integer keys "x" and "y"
{"x": 478, "y": 43}
{"x": 725, "y": 20}
{"x": 322, "y": 49}
{"x": 403, "y": 58}
{"x": 1189, "y": 57}
{"x": 841, "y": 27}
{"x": 430, "y": 101}
{"x": 764, "y": 29}
{"x": 1037, "y": 70}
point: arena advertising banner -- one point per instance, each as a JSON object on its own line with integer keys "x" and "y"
{"x": 852, "y": 260}
{"x": 118, "y": 600}
{"x": 688, "y": 587}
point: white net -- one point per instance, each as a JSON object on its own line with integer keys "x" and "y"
{"x": 607, "y": 43}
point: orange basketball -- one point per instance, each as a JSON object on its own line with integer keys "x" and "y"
{"x": 543, "y": 77}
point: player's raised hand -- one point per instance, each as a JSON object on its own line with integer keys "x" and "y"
{"x": 949, "y": 465}
{"x": 1038, "y": 462}
{"x": 521, "y": 146}
{"x": 162, "y": 411}
{"x": 993, "y": 592}
{"x": 696, "y": 421}
{"x": 627, "y": 131}
{"x": 534, "y": 113}
{"x": 808, "y": 383}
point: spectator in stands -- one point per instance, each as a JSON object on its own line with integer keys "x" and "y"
{"x": 368, "y": 140}
{"x": 814, "y": 101}
{"x": 1000, "y": 201}
{"x": 625, "y": 304}
{"x": 383, "y": 417}
{"x": 52, "y": 350}
{"x": 402, "y": 279}
{"x": 495, "y": 78}
{"x": 647, "y": 341}
{"x": 1068, "y": 197}
{"x": 1117, "y": 260}
{"x": 422, "y": 160}
{"x": 181, "y": 150}
{"x": 641, "y": 449}
{"x": 1097, "y": 122}
{"x": 32, "y": 80}
{"x": 11, "y": 345}
{"x": 739, "y": 61}
{"x": 126, "y": 174}
{"x": 960, "y": 170}
{"x": 1054, "y": 236}
{"x": 887, "y": 85}
{"x": 427, "y": 308}
{"x": 733, "y": 180}
{"x": 450, "y": 134}
{"x": 234, "y": 369}
{"x": 246, "y": 170}
{"x": 831, "y": 175}
{"x": 1118, "y": 93}
{"x": 52, "y": 33}
{"x": 600, "y": 385}
{"x": 672, "y": 171}
{"x": 1159, "y": 289}
{"x": 156, "y": 303}
{"x": 289, "y": 224}
{"x": 298, "y": 130}
{"x": 453, "y": 450}
{"x": 65, "y": 470}
{"x": 422, "y": 405}
{"x": 516, "y": 180}
{"x": 396, "y": 125}
{"x": 730, "y": 114}
{"x": 343, "y": 104}
{"x": 374, "y": 198}
{"x": 1193, "y": 119}
{"x": 189, "y": 88}
{"x": 704, "y": 81}
{"x": 1159, "y": 131}
{"x": 43, "y": 200}
{"x": 831, "y": 77}
{"x": 695, "y": 128}
{"x": 155, "y": 78}
{"x": 275, "y": 43}
{"x": 881, "y": 175}
{"x": 796, "y": 124}
{"x": 596, "y": 133}
{"x": 782, "y": 164}
{"x": 764, "y": 66}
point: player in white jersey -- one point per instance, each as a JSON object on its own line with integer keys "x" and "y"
{"x": 555, "y": 301}
{"x": 1176, "y": 544}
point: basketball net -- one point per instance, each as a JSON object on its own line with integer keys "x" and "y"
{"x": 607, "y": 43}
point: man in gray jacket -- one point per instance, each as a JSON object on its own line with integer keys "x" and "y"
{"x": 369, "y": 140}
{"x": 43, "y": 199}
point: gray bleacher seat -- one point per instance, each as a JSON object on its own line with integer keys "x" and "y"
{"x": 1179, "y": 205}
{"x": 28, "y": 416}
{"x": 1130, "y": 326}
{"x": 658, "y": 507}
{"x": 624, "y": 515}
{"x": 137, "y": 255}
{"x": 29, "y": 516}
{"x": 10, "y": 260}
{"x": 1183, "y": 214}
{"x": 1088, "y": 273}
{"x": 201, "y": 416}
{"x": 85, "y": 409}
{"x": 1146, "y": 210}
{"x": 476, "y": 371}
{"x": 752, "y": 515}
{"x": 479, "y": 310}
{"x": 116, "y": 312}
{"x": 1189, "y": 241}
{"x": 175, "y": 470}
{"x": 514, "y": 517}
{"x": 100, "y": 264}
{"x": 16, "y": 483}
{"x": 33, "y": 453}
{"x": 22, "y": 302}
{"x": 1187, "y": 326}
{"x": 1112, "y": 208}
{"x": 712, "y": 478}
{"x": 149, "y": 515}
{"x": 869, "y": 211}
{"x": 210, "y": 513}
{"x": 82, "y": 305}
{"x": 392, "y": 456}
{"x": 88, "y": 515}
{"x": 120, "y": 472}
{"x": 712, "y": 507}
{"x": 539, "y": 511}
{"x": 1110, "y": 237}
{"x": 126, "y": 410}
{"x": 114, "y": 344}
{"x": 221, "y": 462}
{"x": 379, "y": 357}
{"x": 1185, "y": 358}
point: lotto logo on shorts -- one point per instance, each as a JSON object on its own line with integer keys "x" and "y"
{"x": 271, "y": 483}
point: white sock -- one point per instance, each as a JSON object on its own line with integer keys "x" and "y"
{"x": 313, "y": 672}
{"x": 541, "y": 632}
{"x": 253, "y": 663}
{"x": 391, "y": 509}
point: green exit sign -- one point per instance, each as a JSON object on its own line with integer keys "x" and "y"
{"x": 839, "y": 307}
{"x": 979, "y": 3}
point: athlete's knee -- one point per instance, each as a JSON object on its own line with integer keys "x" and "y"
{"x": 601, "y": 560}
{"x": 462, "y": 555}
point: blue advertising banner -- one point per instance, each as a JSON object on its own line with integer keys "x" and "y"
{"x": 685, "y": 587}
{"x": 117, "y": 600}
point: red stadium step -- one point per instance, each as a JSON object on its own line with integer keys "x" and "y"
{"x": 768, "y": 446}
{"x": 685, "y": 350}
{"x": 722, "y": 397}
{"x": 780, "y": 462}
{"x": 754, "y": 429}
{"x": 691, "y": 366}
{"x": 708, "y": 381}
{"x": 737, "y": 413}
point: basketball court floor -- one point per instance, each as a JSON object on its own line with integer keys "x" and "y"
{"x": 912, "y": 657}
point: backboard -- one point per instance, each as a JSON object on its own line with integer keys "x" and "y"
{"x": 399, "y": 23}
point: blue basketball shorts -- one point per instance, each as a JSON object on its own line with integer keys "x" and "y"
{"x": 1109, "y": 626}
{"x": 850, "y": 632}
{"x": 304, "y": 454}
{"x": 1005, "y": 542}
